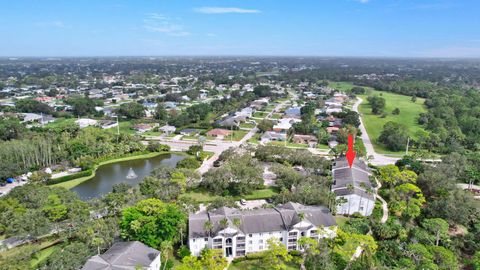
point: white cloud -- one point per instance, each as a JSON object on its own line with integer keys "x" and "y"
{"x": 363, "y": 1}
{"x": 51, "y": 24}
{"x": 224, "y": 10}
{"x": 162, "y": 24}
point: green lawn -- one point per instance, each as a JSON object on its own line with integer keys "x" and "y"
{"x": 409, "y": 113}
{"x": 205, "y": 197}
{"x": 238, "y": 135}
{"x": 247, "y": 125}
{"x": 261, "y": 194}
{"x": 289, "y": 144}
{"x": 323, "y": 146}
{"x": 341, "y": 86}
{"x": 276, "y": 116}
{"x": 42, "y": 255}
{"x": 257, "y": 265}
{"x": 255, "y": 139}
{"x": 61, "y": 121}
{"x": 341, "y": 220}
{"x": 260, "y": 114}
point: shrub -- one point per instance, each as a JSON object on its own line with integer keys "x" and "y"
{"x": 188, "y": 163}
{"x": 255, "y": 256}
{"x": 69, "y": 177}
{"x": 157, "y": 147}
{"x": 183, "y": 252}
{"x": 194, "y": 149}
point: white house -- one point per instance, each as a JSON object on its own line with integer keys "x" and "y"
{"x": 353, "y": 186}
{"x": 131, "y": 255}
{"x": 168, "y": 129}
{"x": 85, "y": 122}
{"x": 238, "y": 232}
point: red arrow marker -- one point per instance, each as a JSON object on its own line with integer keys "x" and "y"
{"x": 350, "y": 153}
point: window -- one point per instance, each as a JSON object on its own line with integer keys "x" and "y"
{"x": 194, "y": 240}
{"x": 261, "y": 234}
{"x": 250, "y": 242}
{"x": 205, "y": 239}
{"x": 260, "y": 247}
{"x": 260, "y": 241}
{"x": 250, "y": 235}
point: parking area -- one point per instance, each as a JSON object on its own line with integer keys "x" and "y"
{"x": 5, "y": 189}
{"x": 252, "y": 204}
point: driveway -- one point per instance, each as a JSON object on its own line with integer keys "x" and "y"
{"x": 252, "y": 204}
{"x": 378, "y": 159}
{"x": 6, "y": 189}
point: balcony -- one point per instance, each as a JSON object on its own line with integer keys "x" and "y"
{"x": 240, "y": 246}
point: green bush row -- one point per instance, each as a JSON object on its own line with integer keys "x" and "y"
{"x": 69, "y": 177}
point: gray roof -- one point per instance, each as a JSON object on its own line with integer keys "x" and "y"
{"x": 343, "y": 175}
{"x": 123, "y": 255}
{"x": 281, "y": 218}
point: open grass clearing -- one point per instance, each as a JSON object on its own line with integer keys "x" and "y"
{"x": 409, "y": 113}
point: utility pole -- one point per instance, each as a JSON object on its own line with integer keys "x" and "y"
{"x": 118, "y": 126}
{"x": 408, "y": 142}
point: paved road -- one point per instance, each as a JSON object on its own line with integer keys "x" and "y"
{"x": 6, "y": 189}
{"x": 378, "y": 159}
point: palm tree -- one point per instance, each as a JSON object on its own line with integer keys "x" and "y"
{"x": 350, "y": 188}
{"x": 331, "y": 202}
{"x": 166, "y": 247}
{"x": 224, "y": 223}
{"x": 369, "y": 191}
{"x": 237, "y": 222}
{"x": 208, "y": 227}
{"x": 364, "y": 187}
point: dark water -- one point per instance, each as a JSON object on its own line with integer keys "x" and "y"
{"x": 111, "y": 174}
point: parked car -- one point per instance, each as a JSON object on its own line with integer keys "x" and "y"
{"x": 243, "y": 202}
{"x": 2, "y": 184}
{"x": 217, "y": 163}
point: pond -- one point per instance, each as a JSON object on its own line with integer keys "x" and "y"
{"x": 111, "y": 174}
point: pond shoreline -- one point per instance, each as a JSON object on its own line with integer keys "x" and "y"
{"x": 77, "y": 181}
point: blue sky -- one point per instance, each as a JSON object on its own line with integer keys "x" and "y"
{"x": 398, "y": 28}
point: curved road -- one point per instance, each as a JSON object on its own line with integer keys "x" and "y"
{"x": 378, "y": 159}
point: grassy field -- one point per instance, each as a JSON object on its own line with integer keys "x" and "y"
{"x": 409, "y": 113}
{"x": 205, "y": 197}
{"x": 342, "y": 86}
{"x": 247, "y": 125}
{"x": 276, "y": 116}
{"x": 42, "y": 255}
{"x": 257, "y": 265}
{"x": 260, "y": 114}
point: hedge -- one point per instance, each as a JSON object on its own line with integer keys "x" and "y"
{"x": 69, "y": 177}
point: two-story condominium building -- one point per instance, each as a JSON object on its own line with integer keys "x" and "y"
{"x": 353, "y": 186}
{"x": 238, "y": 232}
